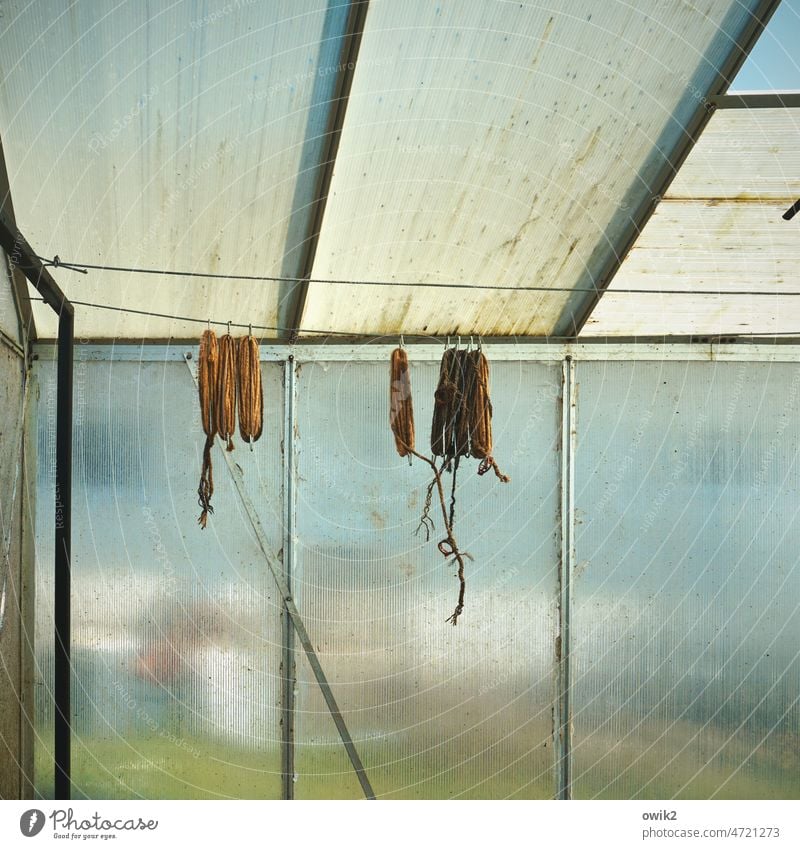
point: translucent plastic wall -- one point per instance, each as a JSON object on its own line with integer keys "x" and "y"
{"x": 442, "y": 711}
{"x": 175, "y": 631}
{"x": 684, "y": 587}
{"x": 685, "y": 673}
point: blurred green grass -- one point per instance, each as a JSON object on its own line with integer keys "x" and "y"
{"x": 155, "y": 768}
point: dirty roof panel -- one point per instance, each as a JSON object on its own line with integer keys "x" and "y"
{"x": 744, "y": 155}
{"x": 718, "y": 229}
{"x": 171, "y": 137}
{"x": 502, "y": 144}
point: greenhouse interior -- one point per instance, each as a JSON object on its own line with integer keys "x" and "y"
{"x": 400, "y": 400}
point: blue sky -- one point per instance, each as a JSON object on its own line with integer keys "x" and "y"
{"x": 774, "y": 63}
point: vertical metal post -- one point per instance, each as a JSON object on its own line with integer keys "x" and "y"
{"x": 21, "y": 256}
{"x": 288, "y": 668}
{"x": 63, "y": 551}
{"x": 564, "y": 739}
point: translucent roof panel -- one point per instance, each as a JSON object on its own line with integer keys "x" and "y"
{"x": 178, "y": 136}
{"x": 503, "y": 144}
{"x": 719, "y": 229}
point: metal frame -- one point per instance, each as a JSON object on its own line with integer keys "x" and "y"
{"x": 788, "y": 100}
{"x": 12, "y": 345}
{"x": 573, "y": 319}
{"x": 22, "y": 257}
{"x": 563, "y": 743}
{"x": 539, "y": 352}
{"x": 354, "y": 29}
{"x": 288, "y": 664}
{"x": 18, "y": 284}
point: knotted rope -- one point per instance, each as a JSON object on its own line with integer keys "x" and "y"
{"x": 251, "y": 399}
{"x": 461, "y": 427}
{"x": 225, "y": 407}
{"x": 207, "y": 369}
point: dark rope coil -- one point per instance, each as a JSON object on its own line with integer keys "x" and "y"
{"x": 208, "y": 364}
{"x": 447, "y": 401}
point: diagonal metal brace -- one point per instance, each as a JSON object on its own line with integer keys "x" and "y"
{"x": 294, "y": 615}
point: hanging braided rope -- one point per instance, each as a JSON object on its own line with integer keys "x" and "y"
{"x": 208, "y": 364}
{"x": 479, "y": 414}
{"x": 461, "y": 427}
{"x": 251, "y": 398}
{"x": 401, "y": 419}
{"x": 225, "y": 407}
{"x": 401, "y": 409}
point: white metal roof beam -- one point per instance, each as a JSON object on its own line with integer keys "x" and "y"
{"x": 351, "y": 42}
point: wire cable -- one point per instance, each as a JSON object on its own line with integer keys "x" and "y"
{"x": 81, "y": 267}
{"x": 355, "y": 335}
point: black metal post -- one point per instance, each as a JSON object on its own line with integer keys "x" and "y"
{"x": 22, "y": 256}
{"x": 62, "y": 593}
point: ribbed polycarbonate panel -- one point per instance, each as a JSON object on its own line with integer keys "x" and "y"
{"x": 685, "y": 601}
{"x": 175, "y": 630}
{"x": 505, "y": 144}
{"x": 718, "y": 230}
{"x": 436, "y": 711}
{"x": 183, "y": 136}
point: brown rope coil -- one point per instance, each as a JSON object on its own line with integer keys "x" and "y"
{"x": 461, "y": 427}
{"x": 225, "y": 407}
{"x": 479, "y": 414}
{"x": 401, "y": 409}
{"x": 251, "y": 398}
{"x": 207, "y": 368}
{"x": 462, "y": 415}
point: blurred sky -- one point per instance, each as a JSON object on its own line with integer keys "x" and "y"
{"x": 774, "y": 64}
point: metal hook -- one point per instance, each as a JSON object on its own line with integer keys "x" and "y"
{"x": 459, "y": 341}
{"x": 470, "y": 342}
{"x": 249, "y": 329}
{"x": 402, "y": 341}
{"x": 480, "y": 343}
{"x": 447, "y": 342}
{"x": 229, "y": 328}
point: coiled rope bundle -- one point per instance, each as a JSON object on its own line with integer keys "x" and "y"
{"x": 479, "y": 412}
{"x": 207, "y": 369}
{"x": 225, "y": 408}
{"x": 462, "y": 416}
{"x": 401, "y": 410}
{"x": 251, "y": 399}
{"x": 461, "y": 427}
{"x": 448, "y": 399}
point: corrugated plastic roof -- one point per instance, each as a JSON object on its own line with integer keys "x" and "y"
{"x": 718, "y": 229}
{"x": 492, "y": 143}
